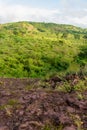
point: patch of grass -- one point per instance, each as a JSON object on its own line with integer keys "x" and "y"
{"x": 68, "y": 87}
{"x": 49, "y": 127}
{"x": 77, "y": 121}
{"x": 81, "y": 86}
{"x": 29, "y": 87}
{"x": 2, "y": 107}
{"x": 80, "y": 96}
{"x": 12, "y": 102}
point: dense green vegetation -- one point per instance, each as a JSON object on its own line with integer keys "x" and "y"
{"x": 29, "y": 49}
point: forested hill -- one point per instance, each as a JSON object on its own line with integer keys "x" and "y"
{"x": 59, "y": 27}
{"x": 30, "y": 49}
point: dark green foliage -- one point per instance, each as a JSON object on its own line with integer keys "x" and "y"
{"x": 29, "y": 49}
{"x": 81, "y": 59}
{"x": 82, "y": 55}
{"x": 85, "y": 36}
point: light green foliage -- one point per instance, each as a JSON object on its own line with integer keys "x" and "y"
{"x": 29, "y": 49}
{"x": 68, "y": 87}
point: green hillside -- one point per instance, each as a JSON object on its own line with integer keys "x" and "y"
{"x": 29, "y": 49}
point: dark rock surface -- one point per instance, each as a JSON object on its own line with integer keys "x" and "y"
{"x": 22, "y": 109}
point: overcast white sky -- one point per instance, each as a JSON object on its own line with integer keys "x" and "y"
{"x": 58, "y": 11}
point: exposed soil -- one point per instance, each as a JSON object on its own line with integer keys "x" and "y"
{"x": 23, "y": 109}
